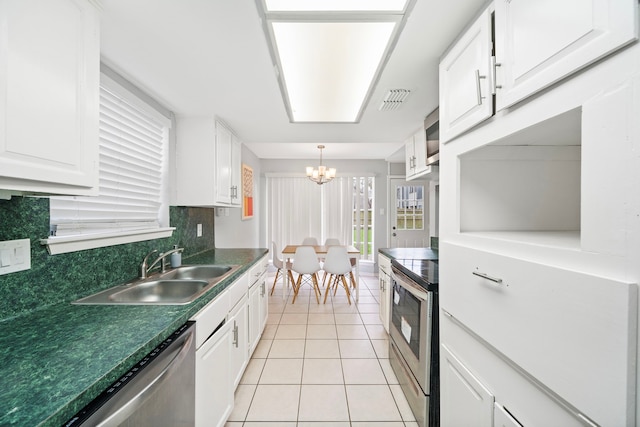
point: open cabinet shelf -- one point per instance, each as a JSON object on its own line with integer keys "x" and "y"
{"x": 527, "y": 186}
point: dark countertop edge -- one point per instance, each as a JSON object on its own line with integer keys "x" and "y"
{"x": 104, "y": 379}
{"x": 409, "y": 253}
{"x": 402, "y": 257}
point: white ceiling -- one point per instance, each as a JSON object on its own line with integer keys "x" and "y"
{"x": 210, "y": 57}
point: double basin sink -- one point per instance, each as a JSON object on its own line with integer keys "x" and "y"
{"x": 181, "y": 285}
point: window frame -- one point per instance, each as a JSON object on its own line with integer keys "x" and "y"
{"x": 64, "y": 244}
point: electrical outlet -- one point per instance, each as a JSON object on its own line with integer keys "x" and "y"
{"x": 15, "y": 255}
{"x": 199, "y": 230}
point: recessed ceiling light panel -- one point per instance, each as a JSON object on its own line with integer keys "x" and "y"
{"x": 330, "y": 53}
{"x": 328, "y": 66}
{"x": 335, "y": 5}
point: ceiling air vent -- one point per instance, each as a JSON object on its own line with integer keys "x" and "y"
{"x": 394, "y": 99}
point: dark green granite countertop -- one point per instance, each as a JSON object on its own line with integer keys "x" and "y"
{"x": 55, "y": 360}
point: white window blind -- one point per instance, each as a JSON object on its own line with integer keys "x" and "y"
{"x": 133, "y": 150}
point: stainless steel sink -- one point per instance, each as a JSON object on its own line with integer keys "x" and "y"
{"x": 198, "y": 272}
{"x": 179, "y": 286}
{"x": 160, "y": 292}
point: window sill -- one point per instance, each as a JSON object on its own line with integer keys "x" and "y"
{"x": 66, "y": 244}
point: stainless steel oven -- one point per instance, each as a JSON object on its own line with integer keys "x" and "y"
{"x": 413, "y": 347}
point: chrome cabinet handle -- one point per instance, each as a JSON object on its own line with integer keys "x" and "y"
{"x": 486, "y": 276}
{"x": 494, "y": 66}
{"x": 262, "y": 291}
{"x": 478, "y": 89}
{"x": 235, "y": 334}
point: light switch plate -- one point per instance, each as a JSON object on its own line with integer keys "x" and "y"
{"x": 15, "y": 255}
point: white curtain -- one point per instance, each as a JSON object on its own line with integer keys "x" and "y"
{"x": 338, "y": 210}
{"x": 294, "y": 209}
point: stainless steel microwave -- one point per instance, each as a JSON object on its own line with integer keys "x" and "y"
{"x": 432, "y": 131}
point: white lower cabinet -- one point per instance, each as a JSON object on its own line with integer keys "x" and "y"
{"x": 542, "y": 319}
{"x": 384, "y": 271}
{"x": 258, "y": 308}
{"x": 459, "y": 388}
{"x": 239, "y": 339}
{"x": 214, "y": 391}
{"x": 223, "y": 344}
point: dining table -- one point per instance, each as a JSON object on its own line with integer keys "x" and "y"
{"x": 289, "y": 252}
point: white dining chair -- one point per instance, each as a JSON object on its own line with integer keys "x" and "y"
{"x": 328, "y": 242}
{"x": 310, "y": 241}
{"x": 337, "y": 265}
{"x": 332, "y": 242}
{"x": 305, "y": 263}
{"x": 279, "y": 264}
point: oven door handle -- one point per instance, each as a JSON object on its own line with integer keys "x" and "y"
{"x": 413, "y": 288}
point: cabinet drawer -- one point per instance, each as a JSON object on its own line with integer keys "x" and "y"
{"x": 524, "y": 400}
{"x": 238, "y": 289}
{"x": 384, "y": 264}
{"x": 256, "y": 271}
{"x": 571, "y": 331}
{"x": 210, "y": 317}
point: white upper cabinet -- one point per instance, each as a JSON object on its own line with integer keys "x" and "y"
{"x": 208, "y": 163}
{"x": 415, "y": 151}
{"x": 535, "y": 44}
{"x": 223, "y": 145}
{"x": 49, "y": 89}
{"x": 540, "y": 42}
{"x": 465, "y": 80}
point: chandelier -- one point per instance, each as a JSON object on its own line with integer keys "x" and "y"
{"x": 322, "y": 174}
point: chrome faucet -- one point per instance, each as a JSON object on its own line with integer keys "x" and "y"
{"x": 144, "y": 269}
{"x": 162, "y": 258}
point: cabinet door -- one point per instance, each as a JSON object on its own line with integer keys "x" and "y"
{"x": 420, "y": 151}
{"x": 409, "y": 158}
{"x": 254, "y": 316}
{"x": 464, "y": 401}
{"x": 224, "y": 141}
{"x": 214, "y": 391}
{"x": 540, "y": 42}
{"x": 239, "y": 338}
{"x": 264, "y": 304}
{"x": 465, "y": 80}
{"x": 384, "y": 269}
{"x": 258, "y": 311}
{"x": 49, "y": 89}
{"x": 236, "y": 171}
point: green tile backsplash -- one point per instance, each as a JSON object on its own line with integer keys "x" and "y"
{"x": 65, "y": 277}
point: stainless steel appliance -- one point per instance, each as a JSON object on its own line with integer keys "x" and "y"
{"x": 432, "y": 131}
{"x": 158, "y": 391}
{"x": 413, "y": 347}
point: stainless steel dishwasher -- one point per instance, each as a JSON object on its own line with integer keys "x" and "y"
{"x": 158, "y": 391}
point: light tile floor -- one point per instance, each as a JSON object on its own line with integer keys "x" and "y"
{"x": 322, "y": 365}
